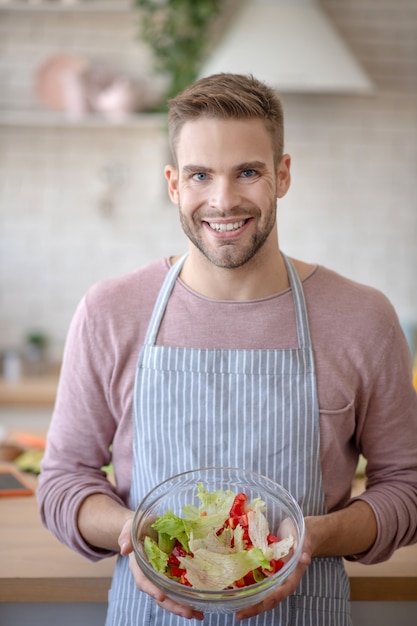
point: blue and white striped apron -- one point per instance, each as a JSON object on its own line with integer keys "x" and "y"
{"x": 256, "y": 409}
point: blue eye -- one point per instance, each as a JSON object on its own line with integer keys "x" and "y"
{"x": 200, "y": 176}
{"x": 248, "y": 173}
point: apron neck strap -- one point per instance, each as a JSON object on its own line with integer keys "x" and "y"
{"x": 303, "y": 332}
{"x": 301, "y": 317}
{"x": 162, "y": 299}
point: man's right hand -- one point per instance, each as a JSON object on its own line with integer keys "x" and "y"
{"x": 145, "y": 585}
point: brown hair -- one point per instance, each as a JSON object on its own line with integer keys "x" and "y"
{"x": 227, "y": 96}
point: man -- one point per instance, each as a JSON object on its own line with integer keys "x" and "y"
{"x": 246, "y": 358}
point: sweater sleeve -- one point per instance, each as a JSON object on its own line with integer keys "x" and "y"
{"x": 387, "y": 436}
{"x": 79, "y": 437}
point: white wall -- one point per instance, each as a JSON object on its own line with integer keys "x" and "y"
{"x": 352, "y": 205}
{"x": 54, "y": 239}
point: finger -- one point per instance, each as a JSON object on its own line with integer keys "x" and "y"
{"x": 180, "y": 610}
{"x": 270, "y": 602}
{"x": 286, "y": 589}
{"x": 125, "y": 540}
{"x": 143, "y": 583}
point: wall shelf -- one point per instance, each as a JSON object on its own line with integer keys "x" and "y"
{"x": 49, "y": 119}
{"x": 86, "y": 6}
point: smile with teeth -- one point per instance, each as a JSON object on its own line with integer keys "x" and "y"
{"x": 221, "y": 228}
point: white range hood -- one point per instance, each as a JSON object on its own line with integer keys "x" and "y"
{"x": 291, "y": 45}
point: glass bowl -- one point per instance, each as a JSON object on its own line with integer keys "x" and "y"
{"x": 283, "y": 514}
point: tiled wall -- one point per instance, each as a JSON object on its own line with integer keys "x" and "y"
{"x": 352, "y": 204}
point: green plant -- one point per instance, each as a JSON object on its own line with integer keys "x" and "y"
{"x": 37, "y": 340}
{"x": 177, "y": 31}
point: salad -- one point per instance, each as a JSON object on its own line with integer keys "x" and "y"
{"x": 224, "y": 543}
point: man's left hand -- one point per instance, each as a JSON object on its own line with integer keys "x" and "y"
{"x": 286, "y": 589}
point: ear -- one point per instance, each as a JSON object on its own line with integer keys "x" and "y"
{"x": 171, "y": 174}
{"x": 283, "y": 175}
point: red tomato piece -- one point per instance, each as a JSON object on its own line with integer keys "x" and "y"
{"x": 177, "y": 571}
{"x": 178, "y": 550}
{"x": 243, "y": 520}
{"x": 238, "y": 507}
{"x": 249, "y": 579}
{"x": 276, "y": 565}
{"x": 184, "y": 581}
{"x": 238, "y": 519}
{"x": 172, "y": 560}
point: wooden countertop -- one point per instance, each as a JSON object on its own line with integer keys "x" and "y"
{"x": 35, "y": 567}
{"x": 30, "y": 391}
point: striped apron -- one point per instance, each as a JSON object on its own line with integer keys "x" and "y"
{"x": 255, "y": 409}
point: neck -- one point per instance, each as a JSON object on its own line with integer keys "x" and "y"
{"x": 259, "y": 278}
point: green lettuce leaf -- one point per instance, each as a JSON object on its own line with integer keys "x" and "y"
{"x": 214, "y": 502}
{"x": 157, "y": 557}
{"x": 174, "y": 527}
{"x": 215, "y": 571}
{"x": 200, "y": 521}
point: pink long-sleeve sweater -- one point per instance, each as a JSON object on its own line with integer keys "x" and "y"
{"x": 363, "y": 369}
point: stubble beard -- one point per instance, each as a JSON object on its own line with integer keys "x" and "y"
{"x": 229, "y": 254}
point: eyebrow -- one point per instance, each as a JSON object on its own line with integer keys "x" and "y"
{"x": 247, "y": 165}
{"x": 193, "y": 169}
{"x": 251, "y": 165}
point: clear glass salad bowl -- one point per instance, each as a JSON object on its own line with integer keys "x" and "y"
{"x": 282, "y": 512}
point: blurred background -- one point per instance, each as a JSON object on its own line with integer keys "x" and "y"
{"x": 83, "y": 145}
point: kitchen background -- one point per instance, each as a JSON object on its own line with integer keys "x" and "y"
{"x": 84, "y": 200}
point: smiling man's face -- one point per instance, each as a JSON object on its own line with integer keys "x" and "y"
{"x": 226, "y": 187}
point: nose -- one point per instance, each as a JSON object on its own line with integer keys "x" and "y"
{"x": 224, "y": 195}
